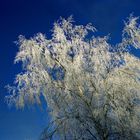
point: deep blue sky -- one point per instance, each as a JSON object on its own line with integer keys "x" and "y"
{"x": 28, "y": 17}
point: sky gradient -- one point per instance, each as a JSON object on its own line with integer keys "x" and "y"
{"x": 28, "y": 17}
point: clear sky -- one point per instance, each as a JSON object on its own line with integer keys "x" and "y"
{"x": 28, "y": 17}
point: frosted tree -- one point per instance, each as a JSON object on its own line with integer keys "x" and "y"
{"x": 91, "y": 87}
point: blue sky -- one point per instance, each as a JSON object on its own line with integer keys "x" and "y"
{"x": 28, "y": 17}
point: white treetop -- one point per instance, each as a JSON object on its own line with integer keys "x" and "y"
{"x": 91, "y": 87}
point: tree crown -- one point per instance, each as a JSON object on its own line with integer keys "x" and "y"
{"x": 90, "y": 86}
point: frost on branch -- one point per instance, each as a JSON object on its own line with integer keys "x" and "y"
{"x": 91, "y": 87}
